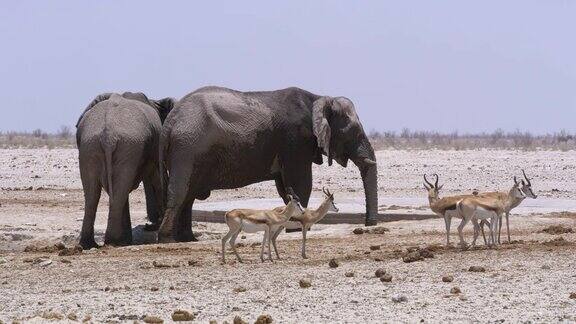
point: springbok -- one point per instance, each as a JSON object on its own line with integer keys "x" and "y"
{"x": 444, "y": 207}
{"x": 305, "y": 220}
{"x": 527, "y": 192}
{"x": 252, "y": 221}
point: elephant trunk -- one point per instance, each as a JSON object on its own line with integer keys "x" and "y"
{"x": 365, "y": 160}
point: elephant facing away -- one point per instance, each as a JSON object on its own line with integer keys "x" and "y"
{"x": 218, "y": 138}
{"x": 117, "y": 137}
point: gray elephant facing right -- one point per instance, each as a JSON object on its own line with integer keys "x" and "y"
{"x": 117, "y": 140}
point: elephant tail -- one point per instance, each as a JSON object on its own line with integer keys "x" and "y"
{"x": 108, "y": 145}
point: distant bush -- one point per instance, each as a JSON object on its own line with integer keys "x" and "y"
{"x": 63, "y": 138}
{"x": 523, "y": 140}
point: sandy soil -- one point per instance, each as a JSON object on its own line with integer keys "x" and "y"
{"x": 41, "y": 204}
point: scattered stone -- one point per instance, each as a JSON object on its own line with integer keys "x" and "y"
{"x": 305, "y": 283}
{"x": 264, "y": 319}
{"x": 182, "y": 315}
{"x": 377, "y": 230}
{"x": 71, "y": 251}
{"x": 358, "y": 230}
{"x": 51, "y": 315}
{"x": 239, "y": 320}
{"x": 386, "y": 278}
{"x": 45, "y": 263}
{"x": 154, "y": 289}
{"x": 559, "y": 241}
{"x": 463, "y": 297}
{"x": 412, "y": 257}
{"x": 573, "y": 295}
{"x": 87, "y": 318}
{"x": 157, "y": 264}
{"x": 192, "y": 263}
{"x": 65, "y": 261}
{"x": 152, "y": 319}
{"x": 374, "y": 247}
{"x": 106, "y": 288}
{"x": 333, "y": 263}
{"x": 399, "y": 298}
{"x": 380, "y": 272}
{"x": 455, "y": 290}
{"x": 477, "y": 269}
{"x": 72, "y": 317}
{"x": 240, "y": 289}
{"x": 47, "y": 249}
{"x": 556, "y": 230}
{"x": 545, "y": 267}
{"x": 349, "y": 274}
{"x": 213, "y": 322}
{"x": 426, "y": 253}
{"x": 447, "y": 278}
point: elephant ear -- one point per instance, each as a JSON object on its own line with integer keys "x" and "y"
{"x": 164, "y": 106}
{"x": 99, "y": 98}
{"x": 321, "y": 126}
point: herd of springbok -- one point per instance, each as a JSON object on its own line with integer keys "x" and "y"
{"x": 481, "y": 209}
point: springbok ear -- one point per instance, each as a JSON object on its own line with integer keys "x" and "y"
{"x": 320, "y": 125}
{"x": 440, "y": 188}
{"x": 426, "y": 186}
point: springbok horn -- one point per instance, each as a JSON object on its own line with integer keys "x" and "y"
{"x": 515, "y": 181}
{"x": 324, "y": 191}
{"x": 527, "y": 180}
{"x": 428, "y": 182}
{"x": 436, "y": 183}
{"x": 368, "y": 161}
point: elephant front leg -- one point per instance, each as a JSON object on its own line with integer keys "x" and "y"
{"x": 153, "y": 210}
{"x": 184, "y": 226}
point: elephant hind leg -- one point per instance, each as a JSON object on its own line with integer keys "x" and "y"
{"x": 92, "y": 192}
{"x": 119, "y": 231}
{"x": 184, "y": 224}
{"x": 153, "y": 191}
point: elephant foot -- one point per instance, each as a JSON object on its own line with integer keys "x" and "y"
{"x": 370, "y": 222}
{"x": 165, "y": 239}
{"x": 88, "y": 244}
{"x": 151, "y": 227}
{"x": 117, "y": 242}
{"x": 187, "y": 236}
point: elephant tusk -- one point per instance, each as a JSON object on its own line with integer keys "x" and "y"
{"x": 368, "y": 161}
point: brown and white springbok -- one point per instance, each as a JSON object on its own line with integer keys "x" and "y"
{"x": 444, "y": 207}
{"x": 253, "y": 220}
{"x": 306, "y": 219}
{"x": 514, "y": 202}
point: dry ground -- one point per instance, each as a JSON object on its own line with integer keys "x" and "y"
{"x": 530, "y": 280}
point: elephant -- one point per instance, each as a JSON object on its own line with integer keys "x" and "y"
{"x": 117, "y": 138}
{"x": 219, "y": 138}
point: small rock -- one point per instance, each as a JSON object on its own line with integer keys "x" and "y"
{"x": 573, "y": 295}
{"x": 213, "y": 322}
{"x": 182, "y": 315}
{"x": 374, "y": 247}
{"x": 87, "y": 318}
{"x": 412, "y": 257}
{"x": 45, "y": 263}
{"x": 305, "y": 283}
{"x": 192, "y": 263}
{"x": 378, "y": 230}
{"x": 154, "y": 289}
{"x": 106, "y": 288}
{"x": 426, "y": 253}
{"x": 240, "y": 289}
{"x": 447, "y": 278}
{"x": 70, "y": 251}
{"x": 463, "y": 297}
{"x": 386, "y": 278}
{"x": 65, "y": 261}
{"x": 349, "y": 274}
{"x": 477, "y": 269}
{"x": 455, "y": 290}
{"x": 380, "y": 272}
{"x": 51, "y": 315}
{"x": 545, "y": 267}
{"x": 333, "y": 263}
{"x": 157, "y": 264}
{"x": 239, "y": 320}
{"x": 72, "y": 317}
{"x": 264, "y": 319}
{"x": 153, "y": 319}
{"x": 358, "y": 231}
{"x": 399, "y": 298}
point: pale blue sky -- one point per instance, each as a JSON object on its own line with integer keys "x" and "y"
{"x": 434, "y": 65}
